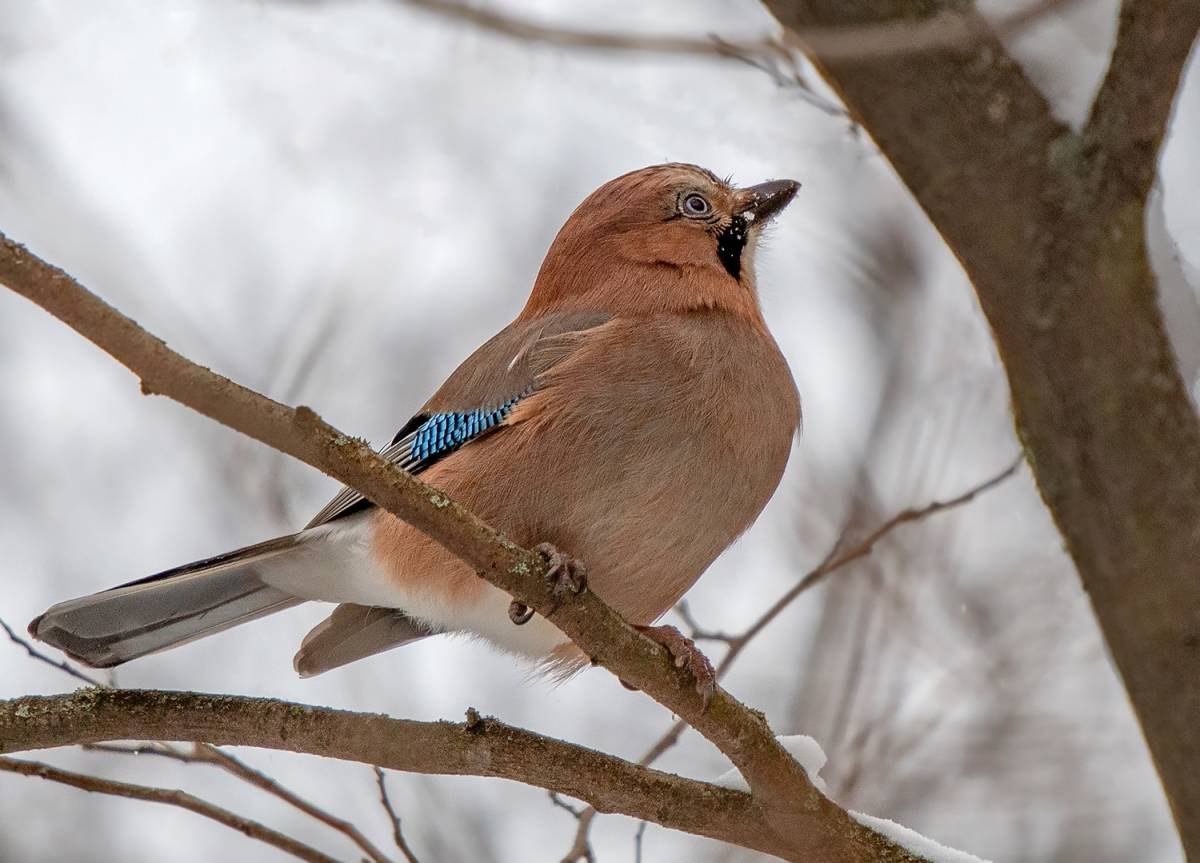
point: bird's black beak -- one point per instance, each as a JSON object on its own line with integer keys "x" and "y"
{"x": 752, "y": 207}
{"x": 757, "y": 204}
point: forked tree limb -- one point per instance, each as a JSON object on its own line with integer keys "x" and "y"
{"x": 169, "y": 797}
{"x": 1050, "y": 227}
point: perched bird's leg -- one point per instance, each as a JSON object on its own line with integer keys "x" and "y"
{"x": 568, "y": 575}
{"x": 686, "y": 655}
{"x": 519, "y": 613}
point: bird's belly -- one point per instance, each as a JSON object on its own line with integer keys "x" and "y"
{"x": 485, "y": 616}
{"x": 646, "y": 544}
{"x": 438, "y": 589}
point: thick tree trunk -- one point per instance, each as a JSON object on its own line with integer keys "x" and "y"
{"x": 1049, "y": 225}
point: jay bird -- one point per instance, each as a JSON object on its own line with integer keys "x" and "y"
{"x": 636, "y": 414}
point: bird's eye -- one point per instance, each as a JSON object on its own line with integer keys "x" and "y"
{"x": 695, "y": 205}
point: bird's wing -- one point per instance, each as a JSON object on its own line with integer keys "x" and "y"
{"x": 476, "y": 399}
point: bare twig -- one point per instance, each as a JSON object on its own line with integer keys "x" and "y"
{"x": 836, "y": 561}
{"x": 786, "y": 72}
{"x": 637, "y": 842}
{"x": 832, "y": 562}
{"x": 171, "y": 797}
{"x": 386, "y": 802}
{"x": 696, "y": 631}
{"x": 60, "y": 664}
{"x": 203, "y": 753}
{"x": 557, "y": 801}
{"x": 581, "y": 846}
{"x": 947, "y": 29}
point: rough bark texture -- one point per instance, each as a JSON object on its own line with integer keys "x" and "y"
{"x": 481, "y": 746}
{"x": 1049, "y": 225}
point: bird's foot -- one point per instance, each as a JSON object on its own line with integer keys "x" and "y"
{"x": 519, "y": 613}
{"x": 567, "y": 574}
{"x": 687, "y": 656}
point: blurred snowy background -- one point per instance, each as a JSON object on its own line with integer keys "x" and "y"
{"x": 334, "y": 203}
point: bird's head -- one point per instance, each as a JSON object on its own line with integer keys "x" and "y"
{"x": 666, "y": 238}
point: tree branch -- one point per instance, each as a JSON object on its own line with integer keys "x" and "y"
{"x": 204, "y": 753}
{"x": 207, "y": 754}
{"x": 1050, "y": 227}
{"x": 1129, "y": 117}
{"x": 838, "y": 559}
{"x": 835, "y": 560}
{"x": 478, "y": 747}
{"x": 949, "y": 29}
{"x": 171, "y": 797}
{"x": 397, "y": 833}
{"x": 796, "y": 819}
{"x": 34, "y": 653}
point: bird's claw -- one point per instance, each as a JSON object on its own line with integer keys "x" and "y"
{"x": 519, "y": 613}
{"x": 569, "y": 577}
{"x": 687, "y": 656}
{"x": 568, "y": 574}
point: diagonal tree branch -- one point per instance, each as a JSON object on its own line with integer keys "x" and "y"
{"x": 1050, "y": 227}
{"x": 796, "y": 818}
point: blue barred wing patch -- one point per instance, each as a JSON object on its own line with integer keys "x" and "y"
{"x": 424, "y": 439}
{"x": 443, "y": 432}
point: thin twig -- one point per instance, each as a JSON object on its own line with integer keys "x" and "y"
{"x": 785, "y": 70}
{"x": 946, "y": 29}
{"x": 557, "y": 800}
{"x": 637, "y": 841}
{"x": 171, "y": 797}
{"x": 862, "y": 549}
{"x": 208, "y": 754}
{"x": 204, "y": 753}
{"x": 581, "y": 847}
{"x": 834, "y": 560}
{"x": 61, "y": 665}
{"x": 397, "y": 833}
{"x": 698, "y": 632}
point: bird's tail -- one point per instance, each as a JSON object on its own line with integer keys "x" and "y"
{"x": 172, "y": 607}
